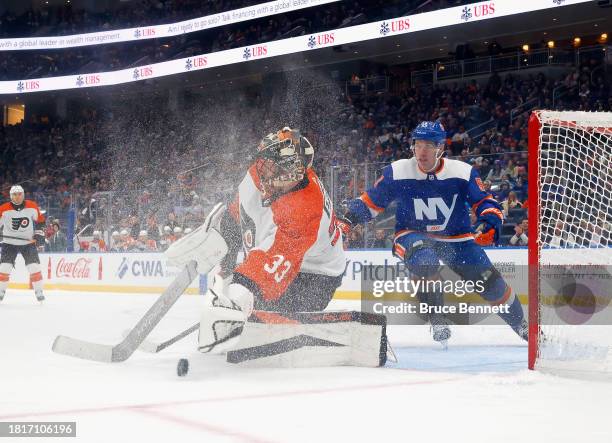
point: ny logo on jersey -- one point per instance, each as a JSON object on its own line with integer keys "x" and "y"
{"x": 21, "y": 222}
{"x": 429, "y": 210}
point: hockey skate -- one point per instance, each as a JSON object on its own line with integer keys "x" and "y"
{"x": 39, "y": 296}
{"x": 440, "y": 329}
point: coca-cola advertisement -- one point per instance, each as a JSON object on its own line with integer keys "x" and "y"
{"x": 74, "y": 267}
{"x": 147, "y": 273}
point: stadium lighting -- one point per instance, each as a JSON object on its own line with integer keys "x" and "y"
{"x": 577, "y": 41}
{"x": 551, "y": 44}
{"x": 525, "y": 47}
{"x": 603, "y": 38}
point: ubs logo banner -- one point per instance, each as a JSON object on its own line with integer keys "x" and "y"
{"x": 254, "y": 52}
{"x": 20, "y": 223}
{"x": 144, "y": 72}
{"x": 144, "y": 32}
{"x": 93, "y": 79}
{"x": 482, "y": 10}
{"x": 28, "y": 85}
{"x": 196, "y": 62}
{"x": 324, "y": 39}
{"x": 402, "y": 24}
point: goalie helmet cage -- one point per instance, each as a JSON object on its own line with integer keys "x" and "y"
{"x": 570, "y": 157}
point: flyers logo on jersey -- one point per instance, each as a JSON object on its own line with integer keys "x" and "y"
{"x": 247, "y": 226}
{"x": 21, "y": 222}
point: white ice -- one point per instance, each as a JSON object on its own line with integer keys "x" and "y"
{"x": 477, "y": 391}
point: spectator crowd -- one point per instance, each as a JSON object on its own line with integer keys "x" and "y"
{"x": 140, "y": 176}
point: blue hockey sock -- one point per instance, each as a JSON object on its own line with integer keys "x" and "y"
{"x": 514, "y": 317}
{"x": 499, "y": 293}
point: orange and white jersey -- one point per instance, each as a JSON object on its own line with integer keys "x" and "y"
{"x": 295, "y": 233}
{"x": 96, "y": 245}
{"x": 19, "y": 221}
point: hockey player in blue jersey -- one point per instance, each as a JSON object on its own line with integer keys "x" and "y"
{"x": 434, "y": 196}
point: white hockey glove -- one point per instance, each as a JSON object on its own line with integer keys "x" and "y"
{"x": 225, "y": 312}
{"x": 205, "y": 244}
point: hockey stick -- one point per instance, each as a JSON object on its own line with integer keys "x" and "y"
{"x": 15, "y": 238}
{"x": 153, "y": 347}
{"x": 122, "y": 351}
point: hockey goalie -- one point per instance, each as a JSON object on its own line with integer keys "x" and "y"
{"x": 268, "y": 307}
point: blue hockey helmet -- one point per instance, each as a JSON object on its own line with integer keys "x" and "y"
{"x": 430, "y": 131}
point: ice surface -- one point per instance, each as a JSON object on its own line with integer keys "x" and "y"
{"x": 477, "y": 391}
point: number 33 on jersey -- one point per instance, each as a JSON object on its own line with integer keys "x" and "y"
{"x": 295, "y": 233}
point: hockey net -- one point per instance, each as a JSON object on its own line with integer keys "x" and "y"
{"x": 570, "y": 250}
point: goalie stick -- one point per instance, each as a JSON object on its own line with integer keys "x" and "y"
{"x": 122, "y": 351}
{"x": 154, "y": 348}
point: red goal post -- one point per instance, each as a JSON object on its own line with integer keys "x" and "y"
{"x": 570, "y": 157}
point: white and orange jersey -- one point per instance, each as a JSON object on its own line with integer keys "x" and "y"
{"x": 19, "y": 221}
{"x": 96, "y": 245}
{"x": 295, "y": 233}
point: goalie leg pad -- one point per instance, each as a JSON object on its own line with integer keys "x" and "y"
{"x": 311, "y": 339}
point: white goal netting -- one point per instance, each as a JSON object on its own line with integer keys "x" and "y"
{"x": 573, "y": 246}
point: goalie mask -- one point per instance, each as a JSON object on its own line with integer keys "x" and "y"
{"x": 282, "y": 159}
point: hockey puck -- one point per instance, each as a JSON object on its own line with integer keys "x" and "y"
{"x": 183, "y": 367}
